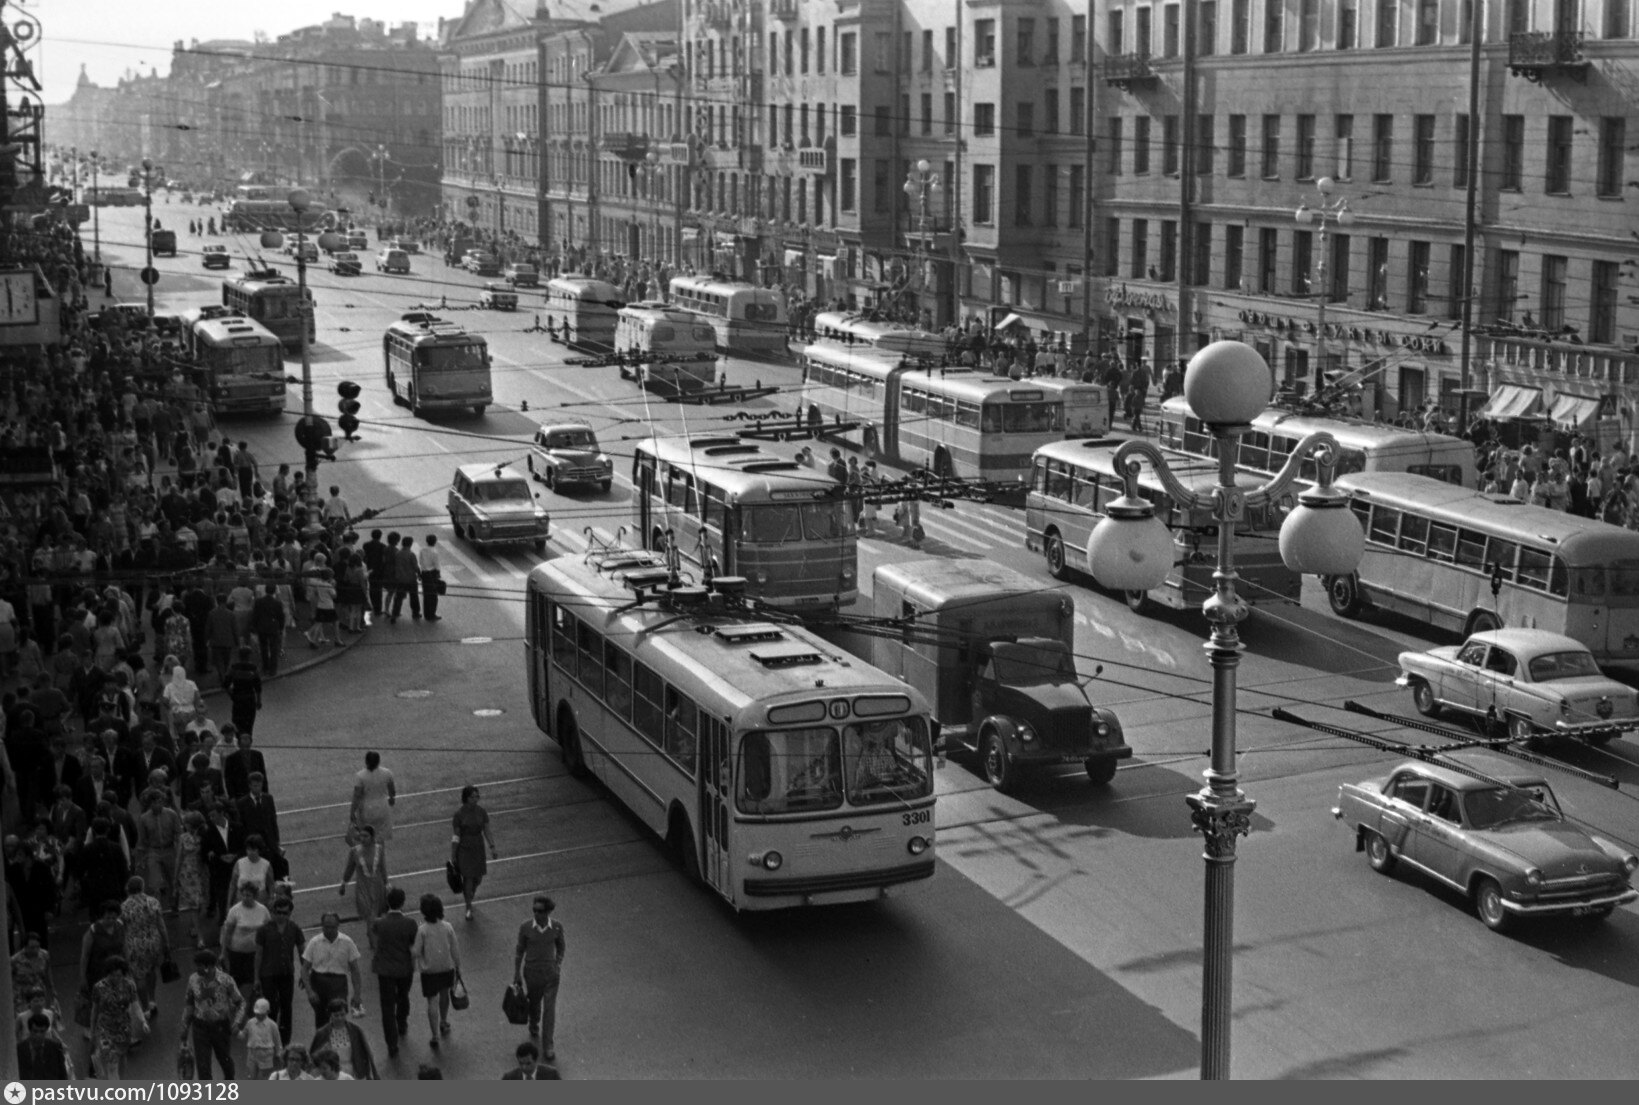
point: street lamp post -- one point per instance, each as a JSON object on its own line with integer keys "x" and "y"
{"x": 1226, "y": 385}
{"x": 300, "y": 201}
{"x": 148, "y": 233}
{"x": 96, "y": 213}
{"x": 920, "y": 183}
{"x": 381, "y": 157}
{"x": 651, "y": 174}
{"x": 1326, "y": 212}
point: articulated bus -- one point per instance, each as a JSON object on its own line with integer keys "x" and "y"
{"x": 237, "y": 365}
{"x": 656, "y": 330}
{"x": 273, "y": 300}
{"x": 747, "y": 319}
{"x": 1072, "y": 481}
{"x": 1367, "y": 446}
{"x": 586, "y": 309}
{"x": 1434, "y": 551}
{"x": 890, "y": 337}
{"x": 957, "y": 421}
{"x": 433, "y": 365}
{"x": 786, "y": 528}
{"x": 779, "y": 770}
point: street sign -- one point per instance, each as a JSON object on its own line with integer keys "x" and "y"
{"x": 150, "y": 275}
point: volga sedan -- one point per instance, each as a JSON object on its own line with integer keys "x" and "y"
{"x": 1498, "y": 837}
{"x": 1539, "y": 684}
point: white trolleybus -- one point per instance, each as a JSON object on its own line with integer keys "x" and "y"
{"x": 1366, "y": 446}
{"x": 746, "y": 318}
{"x": 582, "y": 311}
{"x": 678, "y": 346}
{"x": 1072, "y": 481}
{"x": 786, "y": 528}
{"x": 779, "y": 770}
{"x": 889, "y": 337}
{"x": 433, "y": 365}
{"x": 238, "y": 366}
{"x": 957, "y": 421}
{"x": 1435, "y": 552}
{"x": 273, "y": 300}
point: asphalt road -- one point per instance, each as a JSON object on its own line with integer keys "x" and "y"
{"x": 1061, "y": 935}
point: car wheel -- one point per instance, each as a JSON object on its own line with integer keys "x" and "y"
{"x": 1343, "y": 593}
{"x": 1422, "y": 696}
{"x": 1137, "y": 601}
{"x": 1488, "y": 905}
{"x": 604, "y": 485}
{"x": 999, "y": 773}
{"x": 1053, "y": 549}
{"x": 552, "y": 479}
{"x": 540, "y": 544}
{"x": 1100, "y": 772}
{"x": 1378, "y": 853}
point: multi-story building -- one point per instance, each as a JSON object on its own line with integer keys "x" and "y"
{"x": 642, "y": 156}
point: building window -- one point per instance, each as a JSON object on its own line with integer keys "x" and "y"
{"x": 1274, "y": 26}
{"x": 1422, "y": 149}
{"x": 1417, "y": 258}
{"x": 1114, "y": 143}
{"x": 1513, "y": 152}
{"x": 1270, "y": 168}
{"x": 1428, "y": 22}
{"x": 1206, "y": 36}
{"x": 1557, "y": 172}
{"x": 1602, "y": 303}
{"x": 1617, "y": 19}
{"x": 847, "y": 125}
{"x": 1022, "y": 187}
{"x": 1169, "y": 145}
{"x": 1200, "y": 272}
{"x": 883, "y": 62}
{"x": 1306, "y": 147}
{"x": 1234, "y": 244}
{"x": 1459, "y": 171}
{"x": 1268, "y": 258}
{"x": 1348, "y": 23}
{"x": 1050, "y": 49}
{"x": 1454, "y": 282}
{"x": 1553, "y": 292}
{"x": 1050, "y": 196}
{"x": 984, "y": 120}
{"x": 1382, "y": 148}
{"x": 1026, "y": 112}
{"x": 927, "y": 113}
{"x": 1377, "y": 274}
{"x": 1337, "y": 269}
{"x": 845, "y": 185}
{"x": 1141, "y": 145}
{"x": 884, "y": 121}
{"x": 1612, "y": 145}
{"x": 904, "y": 113}
{"x": 847, "y": 54}
{"x": 1465, "y": 22}
{"x": 1078, "y": 195}
{"x": 927, "y": 51}
{"x": 1078, "y": 110}
{"x": 1237, "y": 146}
{"x": 951, "y": 59}
{"x": 1050, "y": 118}
{"x": 1240, "y": 29}
{"x": 1115, "y": 40}
{"x": 1308, "y": 25}
{"x": 1026, "y": 42}
{"x": 984, "y": 187}
{"x": 1169, "y": 31}
{"x": 1303, "y": 252}
{"x": 1141, "y": 249}
{"x": 1387, "y": 15}
{"x": 984, "y": 43}
{"x": 1078, "y": 39}
{"x": 1507, "y": 284}
{"x": 881, "y": 187}
{"x": 1112, "y": 247}
{"x": 1204, "y": 145}
{"x": 1344, "y": 131}
{"x": 1518, "y": 16}
{"x": 950, "y": 113}
{"x": 1141, "y": 32}
{"x": 1168, "y": 267}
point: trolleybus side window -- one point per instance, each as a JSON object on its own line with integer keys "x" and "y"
{"x": 1471, "y": 550}
{"x": 563, "y": 639}
{"x": 716, "y": 506}
{"x": 617, "y": 680}
{"x": 1385, "y": 526}
{"x": 967, "y": 414}
{"x": 1442, "y": 542}
{"x": 682, "y": 725}
{"x": 1414, "y": 534}
{"x": 1448, "y": 473}
{"x": 680, "y": 490}
{"x": 1085, "y": 491}
{"x": 1255, "y": 450}
{"x": 648, "y": 692}
{"x": 1535, "y": 566}
{"x": 589, "y": 643}
{"x": 1623, "y": 576}
{"x": 1058, "y": 479}
{"x": 1499, "y": 558}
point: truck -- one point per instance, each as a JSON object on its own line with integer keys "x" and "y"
{"x": 164, "y": 242}
{"x": 993, "y": 651}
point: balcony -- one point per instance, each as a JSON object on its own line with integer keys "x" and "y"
{"x": 718, "y": 15}
{"x": 722, "y": 157}
{"x": 626, "y": 145}
{"x": 815, "y": 160}
{"x": 674, "y": 153}
{"x": 1125, "y": 71}
{"x": 783, "y": 10}
{"x": 1538, "y": 54}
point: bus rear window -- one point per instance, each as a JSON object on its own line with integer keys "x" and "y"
{"x": 1623, "y": 578}
{"x": 1024, "y": 418}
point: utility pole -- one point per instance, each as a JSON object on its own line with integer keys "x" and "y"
{"x": 1471, "y": 157}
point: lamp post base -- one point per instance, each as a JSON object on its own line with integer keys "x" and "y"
{"x": 1220, "y": 817}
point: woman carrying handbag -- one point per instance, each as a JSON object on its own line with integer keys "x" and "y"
{"x": 437, "y": 956}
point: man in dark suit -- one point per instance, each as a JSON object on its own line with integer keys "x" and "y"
{"x": 88, "y": 789}
{"x": 62, "y": 769}
{"x": 39, "y": 1057}
{"x": 240, "y": 764}
{"x": 375, "y": 563}
{"x": 258, "y": 814}
{"x": 220, "y": 848}
{"x": 135, "y": 769}
{"x": 393, "y": 967}
{"x": 267, "y": 622}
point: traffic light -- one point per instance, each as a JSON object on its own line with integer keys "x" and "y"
{"x": 312, "y": 433}
{"x": 348, "y": 423}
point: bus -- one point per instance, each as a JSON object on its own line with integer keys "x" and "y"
{"x": 106, "y": 195}
{"x": 747, "y": 319}
{"x": 723, "y": 500}
{"x": 777, "y": 769}
{"x": 655, "y": 330}
{"x": 246, "y": 215}
{"x": 1435, "y": 551}
{"x": 891, "y": 337}
{"x": 273, "y": 300}
{"x": 957, "y": 421}
{"x": 587, "y": 308}
{"x": 1071, "y": 482}
{"x": 1367, "y": 446}
{"x": 434, "y": 365}
{"x": 238, "y": 365}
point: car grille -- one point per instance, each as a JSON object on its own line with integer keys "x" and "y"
{"x": 1579, "y": 886}
{"x": 587, "y": 474}
{"x": 514, "y": 529}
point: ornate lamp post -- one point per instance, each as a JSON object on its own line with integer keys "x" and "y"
{"x": 1227, "y": 384}
{"x": 148, "y": 232}
{"x": 920, "y": 183}
{"x": 1326, "y": 212}
{"x": 96, "y": 211}
{"x": 299, "y": 202}
{"x": 650, "y": 167}
{"x": 380, "y": 156}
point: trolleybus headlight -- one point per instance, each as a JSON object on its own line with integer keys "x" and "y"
{"x": 917, "y": 845}
{"x": 847, "y": 573}
{"x": 773, "y": 861}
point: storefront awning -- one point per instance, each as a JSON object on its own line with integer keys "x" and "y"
{"x": 1514, "y": 401}
{"x": 793, "y": 257}
{"x": 1575, "y": 413}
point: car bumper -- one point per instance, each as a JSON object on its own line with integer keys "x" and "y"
{"x": 1575, "y": 905}
{"x": 498, "y": 540}
{"x": 1596, "y": 728}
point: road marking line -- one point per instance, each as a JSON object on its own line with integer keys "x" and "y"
{"x": 425, "y": 793}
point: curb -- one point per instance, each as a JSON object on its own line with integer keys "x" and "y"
{"x": 311, "y": 662}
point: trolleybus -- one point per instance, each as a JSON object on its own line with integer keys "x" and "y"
{"x": 433, "y": 365}
{"x": 779, "y": 770}
{"x": 1071, "y": 482}
{"x": 784, "y": 527}
{"x": 1462, "y": 560}
{"x": 586, "y": 309}
{"x": 747, "y": 319}
{"x": 678, "y": 347}
{"x": 247, "y": 215}
{"x": 238, "y": 365}
{"x": 890, "y": 337}
{"x": 273, "y": 300}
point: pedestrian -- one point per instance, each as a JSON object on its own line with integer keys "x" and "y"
{"x": 243, "y": 682}
{"x": 279, "y": 944}
{"x": 220, "y": 849}
{"x": 870, "y": 486}
{"x": 538, "y": 961}
{"x": 182, "y": 699}
{"x": 392, "y": 935}
{"x": 406, "y": 574}
{"x": 374, "y": 795}
{"x": 375, "y": 563}
{"x": 40, "y": 1057}
{"x": 342, "y": 1041}
{"x": 321, "y": 591}
{"x": 222, "y": 635}
{"x": 147, "y": 940}
{"x": 254, "y": 868}
{"x": 114, "y": 1003}
{"x": 267, "y": 624}
{"x": 1138, "y": 390}
{"x": 191, "y": 895}
{"x": 159, "y": 842}
{"x": 240, "y": 927}
{"x": 329, "y": 962}
{"x": 295, "y": 1068}
{"x": 432, "y": 580}
{"x": 210, "y": 1008}
{"x": 529, "y": 1067}
{"x": 367, "y": 863}
{"x": 470, "y": 833}
{"x": 837, "y": 469}
{"x": 438, "y": 959}
{"x": 262, "y": 1044}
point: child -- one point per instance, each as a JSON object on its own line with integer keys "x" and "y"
{"x": 262, "y": 1044}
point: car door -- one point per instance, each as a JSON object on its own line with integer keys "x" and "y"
{"x": 1497, "y": 686}
{"x": 1403, "y": 807}
{"x": 1438, "y": 834}
{"x": 1459, "y": 685}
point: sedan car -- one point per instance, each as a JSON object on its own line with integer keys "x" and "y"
{"x": 408, "y": 245}
{"x": 498, "y": 297}
{"x": 567, "y": 453}
{"x": 1539, "y": 684}
{"x": 346, "y": 263}
{"x": 481, "y": 262}
{"x": 215, "y": 257}
{"x": 392, "y": 260}
{"x": 1494, "y": 835}
{"x": 305, "y": 250}
{"x": 521, "y": 274}
{"x": 493, "y": 505}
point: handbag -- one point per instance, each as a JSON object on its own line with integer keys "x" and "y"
{"x": 185, "y": 1063}
{"x": 169, "y": 971}
{"x": 459, "y": 998}
{"x": 440, "y": 587}
{"x": 515, "y": 1005}
{"x": 139, "y": 1021}
{"x": 452, "y": 876}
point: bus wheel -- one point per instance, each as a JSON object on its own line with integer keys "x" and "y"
{"x": 569, "y": 743}
{"x": 871, "y": 445}
{"x": 999, "y": 773}
{"x": 1100, "y": 772}
{"x": 1137, "y": 601}
{"x": 409, "y": 401}
{"x": 1482, "y": 621}
{"x": 1053, "y": 548}
{"x": 478, "y": 409}
{"x": 941, "y": 462}
{"x": 392, "y": 389}
{"x": 1343, "y": 592}
{"x": 680, "y": 842}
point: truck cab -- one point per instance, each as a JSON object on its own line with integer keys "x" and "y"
{"x": 993, "y": 652}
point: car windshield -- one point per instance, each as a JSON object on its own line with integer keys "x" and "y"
{"x": 1562, "y": 665}
{"x": 1496, "y": 806}
{"x": 571, "y": 439}
{"x": 1019, "y": 665}
{"x": 503, "y": 491}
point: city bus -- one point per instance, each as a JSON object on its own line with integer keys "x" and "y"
{"x": 784, "y": 527}
{"x": 105, "y": 195}
{"x": 1367, "y": 446}
{"x": 957, "y": 421}
{"x": 238, "y": 365}
{"x": 663, "y": 333}
{"x": 1072, "y": 481}
{"x": 273, "y": 300}
{"x": 433, "y": 365}
{"x": 585, "y": 308}
{"x": 746, "y": 318}
{"x": 890, "y": 337}
{"x": 248, "y": 215}
{"x": 777, "y": 769}
{"x": 1434, "y": 552}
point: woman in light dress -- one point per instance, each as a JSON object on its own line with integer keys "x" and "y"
{"x": 190, "y": 875}
{"x": 374, "y": 795}
{"x": 367, "y": 861}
